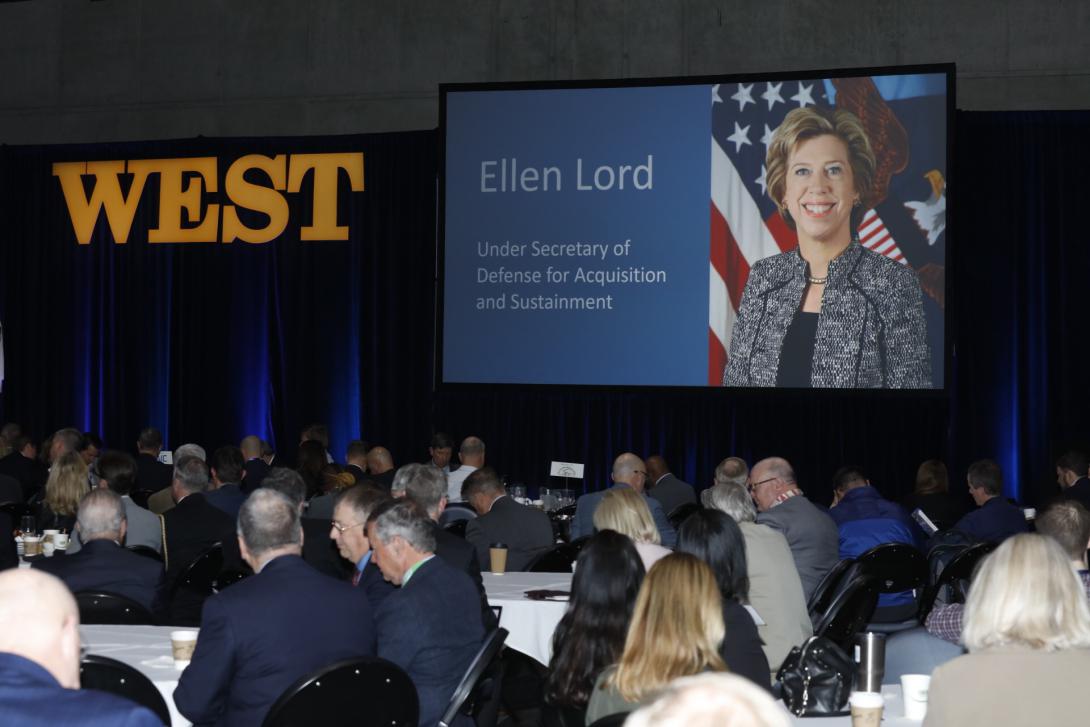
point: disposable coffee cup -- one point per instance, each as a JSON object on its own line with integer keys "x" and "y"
{"x": 914, "y": 688}
{"x": 32, "y": 545}
{"x": 48, "y": 548}
{"x": 61, "y": 541}
{"x": 497, "y": 553}
{"x": 182, "y": 644}
{"x": 866, "y": 709}
{"x": 49, "y": 535}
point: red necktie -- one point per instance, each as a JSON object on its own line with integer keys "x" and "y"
{"x": 356, "y": 578}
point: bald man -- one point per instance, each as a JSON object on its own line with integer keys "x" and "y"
{"x": 810, "y": 532}
{"x": 471, "y": 456}
{"x": 628, "y": 471}
{"x": 665, "y": 487}
{"x": 39, "y": 660}
{"x": 380, "y": 467}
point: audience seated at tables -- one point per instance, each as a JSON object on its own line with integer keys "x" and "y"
{"x": 471, "y": 457}
{"x": 225, "y": 489}
{"x": 1072, "y": 469}
{"x": 319, "y": 551}
{"x": 1065, "y": 521}
{"x": 430, "y": 626}
{"x": 40, "y": 660}
{"x": 262, "y": 634}
{"x": 67, "y": 483}
{"x": 440, "y": 451}
{"x": 355, "y": 460}
{"x": 255, "y": 467}
{"x": 676, "y": 629}
{"x": 932, "y": 495}
{"x": 775, "y": 590}
{"x": 22, "y": 464}
{"x": 628, "y": 471}
{"x": 711, "y": 700}
{"x": 427, "y": 487}
{"x": 811, "y": 533}
{"x": 189, "y": 529}
{"x": 526, "y": 531}
{"x": 103, "y": 564}
{"x": 1027, "y": 629}
{"x": 715, "y": 539}
{"x": 994, "y": 520}
{"x": 671, "y": 492}
{"x": 349, "y": 532}
{"x": 151, "y": 474}
{"x": 117, "y": 472}
{"x": 865, "y": 520}
{"x": 624, "y": 510}
{"x": 591, "y": 634}
{"x": 380, "y": 467}
{"x": 164, "y": 500}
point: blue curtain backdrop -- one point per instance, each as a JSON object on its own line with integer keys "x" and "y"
{"x": 211, "y": 342}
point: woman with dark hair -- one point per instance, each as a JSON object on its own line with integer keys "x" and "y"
{"x": 932, "y": 495}
{"x": 309, "y": 462}
{"x": 716, "y": 539}
{"x": 591, "y": 636}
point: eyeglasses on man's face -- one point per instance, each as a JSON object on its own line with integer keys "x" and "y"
{"x": 754, "y": 485}
{"x": 341, "y": 528}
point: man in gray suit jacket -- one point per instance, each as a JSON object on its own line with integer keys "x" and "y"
{"x": 811, "y": 533}
{"x": 526, "y": 531}
{"x": 668, "y": 489}
{"x": 117, "y": 471}
{"x": 628, "y": 471}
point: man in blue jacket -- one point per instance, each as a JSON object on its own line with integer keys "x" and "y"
{"x": 39, "y": 661}
{"x": 628, "y": 471}
{"x": 261, "y": 635}
{"x": 864, "y": 520}
{"x": 995, "y": 519}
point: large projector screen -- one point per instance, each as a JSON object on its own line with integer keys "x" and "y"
{"x": 761, "y": 231}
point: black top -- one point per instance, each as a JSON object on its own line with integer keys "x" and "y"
{"x": 741, "y": 649}
{"x": 797, "y": 354}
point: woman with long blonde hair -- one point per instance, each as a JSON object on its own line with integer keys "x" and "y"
{"x": 624, "y": 510}
{"x": 676, "y": 630}
{"x": 66, "y": 485}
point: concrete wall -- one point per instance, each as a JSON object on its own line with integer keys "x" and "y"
{"x": 82, "y": 71}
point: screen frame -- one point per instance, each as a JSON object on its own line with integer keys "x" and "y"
{"x": 440, "y": 385}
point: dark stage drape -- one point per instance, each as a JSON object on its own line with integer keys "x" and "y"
{"x": 213, "y": 341}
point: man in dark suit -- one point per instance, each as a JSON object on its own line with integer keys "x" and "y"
{"x": 151, "y": 474}
{"x": 440, "y": 451}
{"x": 380, "y": 467}
{"x": 355, "y": 457}
{"x": 23, "y": 465}
{"x": 995, "y": 519}
{"x": 189, "y": 529}
{"x": 117, "y": 471}
{"x": 428, "y": 626}
{"x": 226, "y": 472}
{"x": 671, "y": 492}
{"x": 255, "y": 465}
{"x": 262, "y": 634}
{"x": 102, "y": 564}
{"x": 349, "y": 532}
{"x": 319, "y": 551}
{"x": 427, "y": 487}
{"x": 526, "y": 531}
{"x": 39, "y": 660}
{"x": 628, "y": 471}
{"x": 1071, "y": 474}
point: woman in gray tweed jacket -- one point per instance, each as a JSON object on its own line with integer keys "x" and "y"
{"x": 829, "y": 314}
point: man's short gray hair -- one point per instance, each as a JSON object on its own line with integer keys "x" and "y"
{"x": 101, "y": 513}
{"x": 733, "y": 499}
{"x": 471, "y": 446}
{"x": 191, "y": 450}
{"x": 402, "y": 476}
{"x": 732, "y": 469}
{"x": 427, "y": 487}
{"x": 269, "y": 520}
{"x": 70, "y": 439}
{"x": 403, "y": 519}
{"x": 192, "y": 473}
{"x": 288, "y": 483}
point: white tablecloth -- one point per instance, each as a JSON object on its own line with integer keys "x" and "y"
{"x": 531, "y": 623}
{"x": 892, "y": 716}
{"x": 146, "y": 649}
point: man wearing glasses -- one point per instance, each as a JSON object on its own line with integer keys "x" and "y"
{"x": 811, "y": 533}
{"x": 349, "y": 532}
{"x": 628, "y": 471}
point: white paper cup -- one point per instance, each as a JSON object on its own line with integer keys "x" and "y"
{"x": 48, "y": 535}
{"x": 182, "y": 644}
{"x": 914, "y": 688}
{"x": 61, "y": 541}
{"x": 866, "y": 708}
{"x": 48, "y": 548}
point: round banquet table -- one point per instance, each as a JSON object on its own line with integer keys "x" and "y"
{"x": 893, "y": 715}
{"x": 531, "y": 623}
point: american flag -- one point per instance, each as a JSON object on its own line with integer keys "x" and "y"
{"x": 745, "y": 225}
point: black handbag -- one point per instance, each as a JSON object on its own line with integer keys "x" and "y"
{"x": 816, "y": 679}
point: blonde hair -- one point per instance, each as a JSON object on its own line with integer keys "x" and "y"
{"x": 807, "y": 123}
{"x": 624, "y": 510}
{"x": 711, "y": 700}
{"x": 676, "y": 629}
{"x": 1027, "y": 594}
{"x": 67, "y": 484}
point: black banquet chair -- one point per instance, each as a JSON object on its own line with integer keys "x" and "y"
{"x": 827, "y": 589}
{"x": 850, "y": 610}
{"x": 99, "y": 607}
{"x": 681, "y": 513}
{"x": 147, "y": 552}
{"x": 354, "y": 692}
{"x": 956, "y": 574}
{"x": 458, "y": 527}
{"x": 557, "y": 559}
{"x": 480, "y": 684}
{"x": 104, "y": 674}
{"x": 897, "y": 567}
